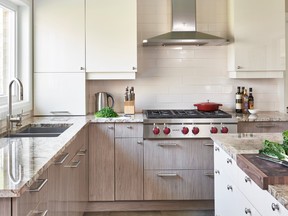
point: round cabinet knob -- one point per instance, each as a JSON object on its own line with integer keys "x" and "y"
{"x": 195, "y": 130}
{"x": 156, "y": 130}
{"x": 224, "y": 130}
{"x": 185, "y": 130}
{"x": 213, "y": 130}
{"x": 166, "y": 130}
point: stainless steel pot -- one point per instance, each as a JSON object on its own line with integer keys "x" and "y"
{"x": 102, "y": 100}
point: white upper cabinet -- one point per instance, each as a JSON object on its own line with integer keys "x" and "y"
{"x": 59, "y": 36}
{"x": 111, "y": 39}
{"x": 257, "y": 31}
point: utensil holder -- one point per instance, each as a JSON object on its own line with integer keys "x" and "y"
{"x": 129, "y": 107}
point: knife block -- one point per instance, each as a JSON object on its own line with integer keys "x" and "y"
{"x": 129, "y": 107}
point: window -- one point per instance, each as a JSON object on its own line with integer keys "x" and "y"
{"x": 15, "y": 52}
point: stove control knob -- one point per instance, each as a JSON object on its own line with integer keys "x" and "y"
{"x": 166, "y": 130}
{"x": 224, "y": 129}
{"x": 213, "y": 130}
{"x": 185, "y": 130}
{"x": 156, "y": 130}
{"x": 195, "y": 130}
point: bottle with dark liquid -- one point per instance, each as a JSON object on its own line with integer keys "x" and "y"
{"x": 245, "y": 102}
{"x": 250, "y": 100}
{"x": 238, "y": 101}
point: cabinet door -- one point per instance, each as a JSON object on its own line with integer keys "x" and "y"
{"x": 129, "y": 169}
{"x": 261, "y": 127}
{"x": 259, "y": 38}
{"x": 59, "y": 36}
{"x": 111, "y": 36}
{"x": 59, "y": 92}
{"x": 101, "y": 162}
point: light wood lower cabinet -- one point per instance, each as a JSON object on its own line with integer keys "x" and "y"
{"x": 262, "y": 127}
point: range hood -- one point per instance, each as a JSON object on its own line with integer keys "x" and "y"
{"x": 184, "y": 29}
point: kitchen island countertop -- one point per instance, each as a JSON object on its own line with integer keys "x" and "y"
{"x": 261, "y": 116}
{"x": 250, "y": 143}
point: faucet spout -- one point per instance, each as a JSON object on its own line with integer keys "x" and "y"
{"x": 10, "y": 118}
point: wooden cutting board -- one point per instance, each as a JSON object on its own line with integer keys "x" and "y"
{"x": 262, "y": 172}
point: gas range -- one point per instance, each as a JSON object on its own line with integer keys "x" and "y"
{"x": 169, "y": 124}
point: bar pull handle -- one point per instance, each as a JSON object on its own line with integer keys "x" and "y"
{"x": 62, "y": 159}
{"x": 41, "y": 182}
{"x": 264, "y": 125}
{"x": 209, "y": 144}
{"x": 167, "y": 174}
{"x": 37, "y": 213}
{"x": 167, "y": 144}
{"x": 209, "y": 174}
{"x": 82, "y": 152}
{"x": 129, "y": 127}
{"x": 74, "y": 164}
{"x": 110, "y": 127}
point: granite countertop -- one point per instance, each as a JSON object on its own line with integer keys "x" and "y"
{"x": 34, "y": 155}
{"x": 137, "y": 118}
{"x": 261, "y": 116}
{"x": 250, "y": 143}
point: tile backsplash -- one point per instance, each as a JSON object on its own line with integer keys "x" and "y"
{"x": 178, "y": 77}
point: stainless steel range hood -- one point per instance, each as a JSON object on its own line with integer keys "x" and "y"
{"x": 184, "y": 29}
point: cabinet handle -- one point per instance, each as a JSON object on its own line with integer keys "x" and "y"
{"x": 110, "y": 127}
{"x": 82, "y": 68}
{"x": 134, "y": 68}
{"x": 229, "y": 187}
{"x": 74, "y": 164}
{"x": 209, "y": 174}
{"x": 40, "y": 186}
{"x": 247, "y": 179}
{"x": 209, "y": 144}
{"x": 139, "y": 142}
{"x": 229, "y": 161}
{"x": 82, "y": 152}
{"x": 264, "y": 125}
{"x": 167, "y": 144}
{"x": 62, "y": 159}
{"x": 217, "y": 172}
{"x": 247, "y": 211}
{"x": 217, "y": 149}
{"x": 129, "y": 127}
{"x": 38, "y": 213}
{"x": 239, "y": 67}
{"x": 275, "y": 207}
{"x": 167, "y": 174}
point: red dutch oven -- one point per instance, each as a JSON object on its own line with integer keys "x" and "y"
{"x": 207, "y": 106}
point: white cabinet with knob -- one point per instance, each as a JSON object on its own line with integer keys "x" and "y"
{"x": 257, "y": 48}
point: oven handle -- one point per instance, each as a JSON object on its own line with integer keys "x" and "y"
{"x": 167, "y": 144}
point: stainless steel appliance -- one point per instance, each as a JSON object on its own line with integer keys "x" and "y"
{"x": 102, "y": 100}
{"x": 169, "y": 124}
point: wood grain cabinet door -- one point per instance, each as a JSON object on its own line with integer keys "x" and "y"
{"x": 101, "y": 162}
{"x": 262, "y": 127}
{"x": 129, "y": 169}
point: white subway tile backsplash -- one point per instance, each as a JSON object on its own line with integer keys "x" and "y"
{"x": 178, "y": 77}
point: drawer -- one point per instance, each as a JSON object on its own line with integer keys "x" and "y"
{"x": 128, "y": 130}
{"x": 178, "y": 154}
{"x": 178, "y": 185}
{"x": 264, "y": 205}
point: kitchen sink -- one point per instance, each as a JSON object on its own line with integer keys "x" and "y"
{"x": 41, "y": 130}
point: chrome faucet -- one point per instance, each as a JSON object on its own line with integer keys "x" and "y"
{"x": 10, "y": 117}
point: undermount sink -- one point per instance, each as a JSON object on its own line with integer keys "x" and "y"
{"x": 41, "y": 130}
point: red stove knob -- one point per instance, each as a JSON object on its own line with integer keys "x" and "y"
{"x": 166, "y": 130}
{"x": 185, "y": 130}
{"x": 195, "y": 130}
{"x": 213, "y": 130}
{"x": 224, "y": 129}
{"x": 156, "y": 130}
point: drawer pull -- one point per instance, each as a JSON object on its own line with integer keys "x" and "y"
{"x": 74, "y": 164}
{"x": 275, "y": 207}
{"x": 82, "y": 152}
{"x": 229, "y": 187}
{"x": 167, "y": 174}
{"x": 41, "y": 182}
{"x": 129, "y": 127}
{"x": 209, "y": 174}
{"x": 139, "y": 142}
{"x": 265, "y": 125}
{"x": 62, "y": 159}
{"x": 229, "y": 161}
{"x": 167, "y": 144}
{"x": 209, "y": 144}
{"x": 247, "y": 179}
{"x": 37, "y": 213}
{"x": 217, "y": 172}
{"x": 247, "y": 211}
{"x": 217, "y": 149}
{"x": 110, "y": 127}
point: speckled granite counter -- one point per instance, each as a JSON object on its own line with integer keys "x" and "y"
{"x": 137, "y": 118}
{"x": 250, "y": 143}
{"x": 34, "y": 155}
{"x": 261, "y": 116}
